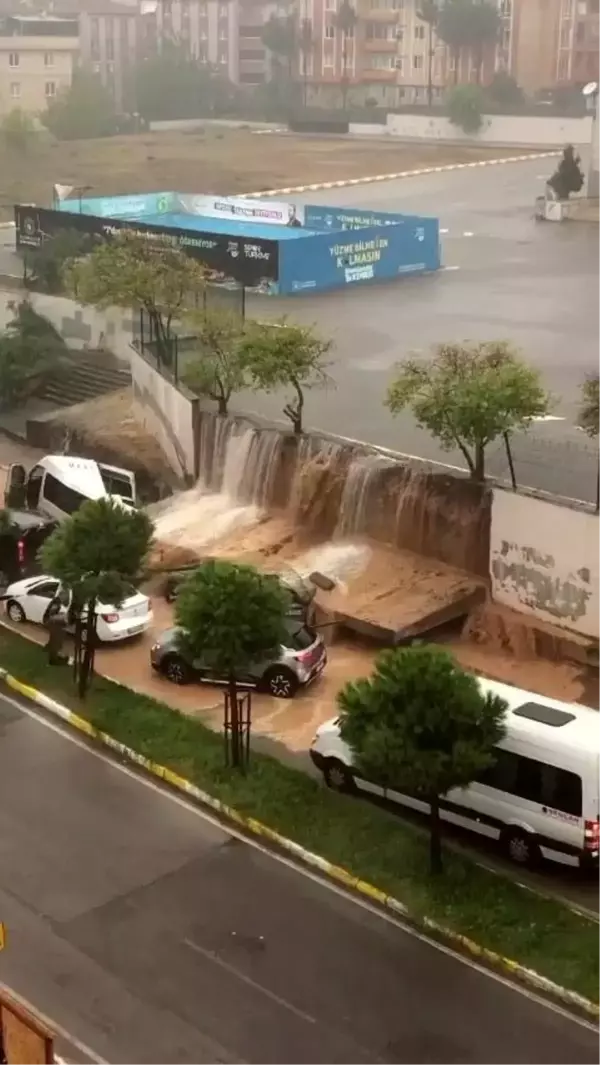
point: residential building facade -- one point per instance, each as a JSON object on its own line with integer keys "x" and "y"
{"x": 37, "y": 59}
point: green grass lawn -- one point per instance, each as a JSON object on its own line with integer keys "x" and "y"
{"x": 540, "y": 933}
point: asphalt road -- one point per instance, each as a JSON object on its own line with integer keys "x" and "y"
{"x": 152, "y": 935}
{"x": 507, "y": 276}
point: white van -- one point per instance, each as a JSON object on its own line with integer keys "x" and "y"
{"x": 539, "y": 797}
{"x": 59, "y": 484}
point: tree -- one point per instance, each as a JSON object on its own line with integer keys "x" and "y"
{"x": 172, "y": 84}
{"x": 85, "y": 109}
{"x": 31, "y": 351}
{"x": 306, "y": 46}
{"x": 133, "y": 271}
{"x": 96, "y": 553}
{"x": 465, "y": 107}
{"x": 468, "y": 395}
{"x": 429, "y": 13}
{"x": 589, "y": 420}
{"x": 568, "y": 177}
{"x": 504, "y": 91}
{"x": 345, "y": 22}
{"x": 231, "y": 617}
{"x": 468, "y": 25}
{"x": 44, "y": 266}
{"x": 218, "y": 370}
{"x": 19, "y": 131}
{"x": 279, "y": 355}
{"x": 421, "y": 724}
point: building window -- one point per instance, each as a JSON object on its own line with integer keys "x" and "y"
{"x": 329, "y": 32}
{"x": 420, "y": 33}
{"x": 15, "y": 90}
{"x": 48, "y": 59}
{"x": 417, "y": 62}
{"x": 14, "y": 59}
{"x": 50, "y": 90}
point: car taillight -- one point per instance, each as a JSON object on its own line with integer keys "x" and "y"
{"x": 21, "y": 551}
{"x": 591, "y": 835}
{"x": 109, "y": 618}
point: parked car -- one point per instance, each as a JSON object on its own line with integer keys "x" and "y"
{"x": 302, "y": 659}
{"x": 29, "y": 600}
{"x": 302, "y": 593}
{"x": 21, "y": 536}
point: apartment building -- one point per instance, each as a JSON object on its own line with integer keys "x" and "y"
{"x": 37, "y": 58}
{"x": 578, "y": 40}
{"x": 208, "y": 28}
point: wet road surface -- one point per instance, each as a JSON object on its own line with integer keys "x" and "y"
{"x": 152, "y": 935}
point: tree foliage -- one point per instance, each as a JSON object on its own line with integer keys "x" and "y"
{"x": 44, "y": 266}
{"x": 429, "y": 12}
{"x": 231, "y": 617}
{"x": 96, "y": 553}
{"x": 134, "y": 271}
{"x": 218, "y": 369}
{"x": 505, "y": 91}
{"x": 18, "y": 132}
{"x": 468, "y": 395}
{"x": 281, "y": 355}
{"x": 345, "y": 23}
{"x": 172, "y": 84}
{"x": 31, "y": 350}
{"x": 468, "y": 26}
{"x": 568, "y": 176}
{"x": 421, "y": 724}
{"x": 85, "y": 109}
{"x": 465, "y": 105}
{"x": 589, "y": 419}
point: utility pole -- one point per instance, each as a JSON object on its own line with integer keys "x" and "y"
{"x": 592, "y": 189}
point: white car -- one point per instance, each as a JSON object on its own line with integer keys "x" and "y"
{"x": 28, "y": 600}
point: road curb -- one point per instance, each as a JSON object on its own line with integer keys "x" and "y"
{"x": 250, "y": 825}
{"x": 317, "y": 186}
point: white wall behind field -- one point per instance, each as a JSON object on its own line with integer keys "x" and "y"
{"x": 511, "y": 130}
{"x": 544, "y": 560}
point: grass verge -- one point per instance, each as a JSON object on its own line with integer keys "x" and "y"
{"x": 541, "y": 934}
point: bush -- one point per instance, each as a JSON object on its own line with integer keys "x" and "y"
{"x": 465, "y": 106}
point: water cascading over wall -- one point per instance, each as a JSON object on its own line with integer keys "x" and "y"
{"x": 335, "y": 490}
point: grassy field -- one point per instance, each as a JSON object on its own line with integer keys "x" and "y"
{"x": 540, "y": 933}
{"x": 216, "y": 160}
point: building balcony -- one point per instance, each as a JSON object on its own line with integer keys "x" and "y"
{"x": 383, "y": 46}
{"x": 387, "y": 15}
{"x": 383, "y": 74}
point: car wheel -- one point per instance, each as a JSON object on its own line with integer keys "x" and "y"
{"x": 15, "y": 611}
{"x": 176, "y": 670}
{"x": 521, "y": 847}
{"x": 337, "y": 776}
{"x": 280, "y": 682}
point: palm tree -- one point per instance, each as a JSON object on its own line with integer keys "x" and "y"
{"x": 467, "y": 25}
{"x": 279, "y": 36}
{"x": 306, "y": 44}
{"x": 345, "y": 21}
{"x": 429, "y": 12}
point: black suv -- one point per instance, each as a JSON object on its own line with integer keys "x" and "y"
{"x": 302, "y": 593}
{"x": 21, "y": 536}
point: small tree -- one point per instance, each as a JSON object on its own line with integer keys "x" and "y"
{"x": 96, "y": 553}
{"x": 345, "y": 22}
{"x": 133, "y": 271}
{"x": 19, "y": 131}
{"x": 468, "y": 395}
{"x": 505, "y": 91}
{"x": 465, "y": 107}
{"x": 31, "y": 351}
{"x": 568, "y": 177}
{"x": 421, "y": 724}
{"x": 286, "y": 356}
{"x": 589, "y": 420}
{"x": 231, "y": 618}
{"x": 429, "y": 12}
{"x": 218, "y": 369}
{"x": 44, "y": 266}
{"x": 85, "y": 109}
{"x": 306, "y": 47}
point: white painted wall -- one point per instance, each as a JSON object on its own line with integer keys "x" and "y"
{"x": 166, "y": 413}
{"x": 525, "y": 130}
{"x": 544, "y": 560}
{"x": 82, "y": 327}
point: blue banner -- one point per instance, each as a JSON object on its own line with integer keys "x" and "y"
{"x": 333, "y": 260}
{"x": 317, "y": 216}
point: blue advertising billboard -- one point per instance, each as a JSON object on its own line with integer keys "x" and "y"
{"x": 335, "y": 259}
{"x": 320, "y": 217}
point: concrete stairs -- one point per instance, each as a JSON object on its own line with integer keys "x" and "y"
{"x": 85, "y": 377}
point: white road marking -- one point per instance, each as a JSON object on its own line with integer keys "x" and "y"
{"x": 231, "y": 969}
{"x": 549, "y": 418}
{"x": 50, "y": 1024}
{"x": 444, "y": 230}
{"x": 148, "y": 782}
{"x": 467, "y": 233}
{"x": 445, "y": 269}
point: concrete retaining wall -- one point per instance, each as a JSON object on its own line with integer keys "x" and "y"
{"x": 82, "y": 327}
{"x": 168, "y": 413}
{"x": 544, "y": 561}
{"x": 525, "y": 130}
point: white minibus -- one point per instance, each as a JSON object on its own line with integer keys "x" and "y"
{"x": 540, "y": 797}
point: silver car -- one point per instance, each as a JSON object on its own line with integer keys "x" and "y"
{"x": 302, "y": 659}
